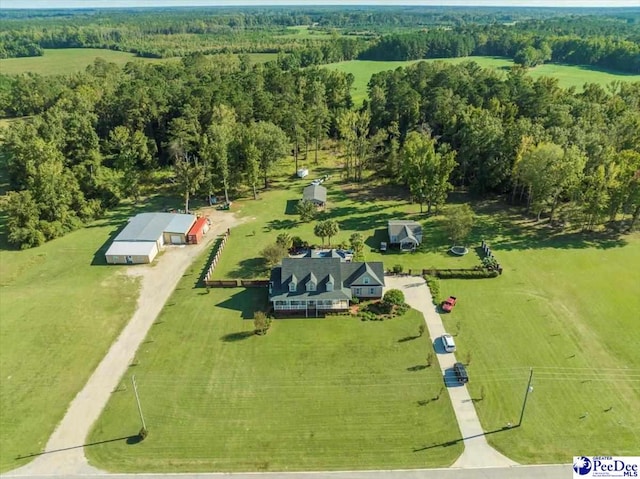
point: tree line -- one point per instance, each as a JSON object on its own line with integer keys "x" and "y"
{"x": 543, "y": 145}
{"x": 94, "y": 138}
{"x": 168, "y": 32}
{"x": 615, "y": 45}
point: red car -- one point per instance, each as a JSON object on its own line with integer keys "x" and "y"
{"x": 448, "y": 304}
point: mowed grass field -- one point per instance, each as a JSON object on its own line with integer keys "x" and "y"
{"x": 59, "y": 313}
{"x": 567, "y": 306}
{"x": 357, "y": 208}
{"x": 69, "y": 60}
{"x": 567, "y": 75}
{"x": 312, "y": 394}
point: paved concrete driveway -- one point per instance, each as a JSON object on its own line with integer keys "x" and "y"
{"x": 477, "y": 452}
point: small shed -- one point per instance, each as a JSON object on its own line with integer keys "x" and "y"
{"x": 176, "y": 231}
{"x": 131, "y": 252}
{"x": 406, "y": 233}
{"x": 316, "y": 194}
{"x": 198, "y": 230}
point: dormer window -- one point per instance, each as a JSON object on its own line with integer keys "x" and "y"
{"x": 330, "y": 283}
{"x": 292, "y": 284}
{"x": 311, "y": 284}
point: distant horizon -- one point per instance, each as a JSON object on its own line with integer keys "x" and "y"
{"x": 111, "y": 4}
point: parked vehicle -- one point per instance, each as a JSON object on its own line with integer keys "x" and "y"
{"x": 461, "y": 373}
{"x": 383, "y": 246}
{"x": 449, "y": 303}
{"x": 448, "y": 343}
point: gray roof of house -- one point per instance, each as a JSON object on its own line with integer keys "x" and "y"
{"x": 301, "y": 270}
{"x": 150, "y": 226}
{"x": 406, "y": 229}
{"x": 356, "y": 273}
{"x": 315, "y": 193}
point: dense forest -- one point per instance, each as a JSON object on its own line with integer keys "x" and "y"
{"x": 608, "y": 39}
{"x": 220, "y": 126}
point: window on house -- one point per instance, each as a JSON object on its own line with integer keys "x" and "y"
{"x": 372, "y": 290}
{"x": 292, "y": 287}
{"x": 366, "y": 280}
{"x": 311, "y": 286}
{"x": 330, "y": 286}
{"x": 358, "y": 291}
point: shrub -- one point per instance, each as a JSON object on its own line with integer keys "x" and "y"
{"x": 467, "y": 273}
{"x": 397, "y": 269}
{"x": 274, "y": 253}
{"x": 261, "y": 323}
{"x": 355, "y": 300}
{"x": 393, "y": 297}
{"x": 434, "y": 286}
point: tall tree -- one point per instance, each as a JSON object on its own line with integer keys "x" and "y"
{"x": 458, "y": 223}
{"x": 317, "y": 114}
{"x": 271, "y": 143}
{"x": 129, "y": 154}
{"x": 548, "y": 171}
{"x": 216, "y": 143}
{"x": 189, "y": 175}
{"x": 425, "y": 170}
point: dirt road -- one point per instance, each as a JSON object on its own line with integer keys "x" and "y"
{"x": 64, "y": 454}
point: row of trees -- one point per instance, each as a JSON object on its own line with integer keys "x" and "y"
{"x": 543, "y": 144}
{"x": 98, "y": 136}
{"x": 529, "y": 44}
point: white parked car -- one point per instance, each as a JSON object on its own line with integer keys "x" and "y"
{"x": 448, "y": 343}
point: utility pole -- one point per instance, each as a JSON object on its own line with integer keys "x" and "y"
{"x": 526, "y": 395}
{"x": 143, "y": 431}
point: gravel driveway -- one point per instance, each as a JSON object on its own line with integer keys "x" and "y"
{"x": 64, "y": 454}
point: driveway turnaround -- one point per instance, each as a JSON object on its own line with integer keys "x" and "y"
{"x": 477, "y": 452}
{"x": 64, "y": 454}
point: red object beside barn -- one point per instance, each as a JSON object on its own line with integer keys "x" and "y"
{"x": 197, "y": 231}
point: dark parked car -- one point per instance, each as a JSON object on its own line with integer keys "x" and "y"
{"x": 461, "y": 372}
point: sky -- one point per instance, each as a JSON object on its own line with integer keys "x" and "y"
{"x": 184, "y": 3}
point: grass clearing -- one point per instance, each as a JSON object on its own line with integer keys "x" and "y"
{"x": 567, "y": 75}
{"x": 58, "y": 316}
{"x": 568, "y": 307}
{"x": 313, "y": 394}
{"x": 61, "y": 61}
{"x": 69, "y": 60}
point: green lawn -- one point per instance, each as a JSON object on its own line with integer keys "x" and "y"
{"x": 313, "y": 394}
{"x": 568, "y": 307}
{"x": 568, "y": 75}
{"x": 68, "y": 60}
{"x": 356, "y": 208}
{"x": 59, "y": 314}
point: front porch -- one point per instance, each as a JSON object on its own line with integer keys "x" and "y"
{"x": 310, "y": 308}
